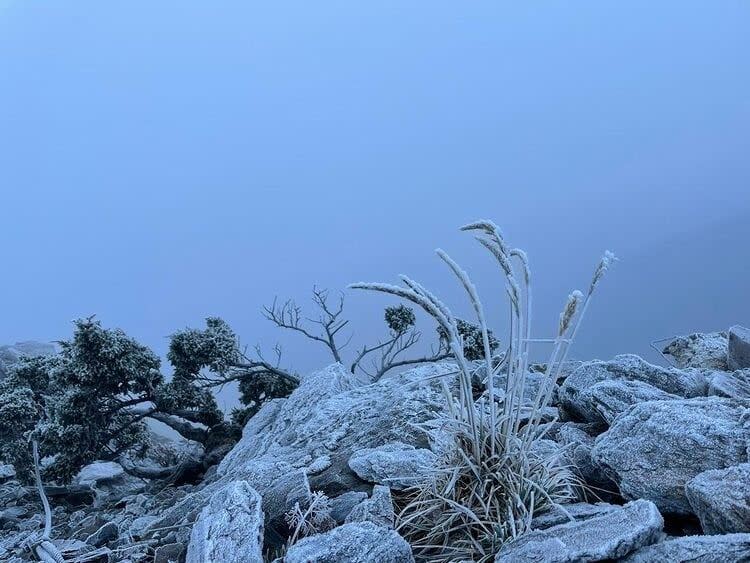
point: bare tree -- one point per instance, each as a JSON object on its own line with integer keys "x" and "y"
{"x": 382, "y": 357}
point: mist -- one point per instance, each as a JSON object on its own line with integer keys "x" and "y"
{"x": 165, "y": 162}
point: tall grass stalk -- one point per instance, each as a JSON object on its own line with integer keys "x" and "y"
{"x": 486, "y": 489}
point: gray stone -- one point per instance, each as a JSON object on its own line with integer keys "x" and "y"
{"x": 397, "y": 465}
{"x": 7, "y": 472}
{"x": 361, "y": 542}
{"x": 107, "y": 533}
{"x": 704, "y": 351}
{"x": 730, "y": 548}
{"x": 575, "y": 393}
{"x": 611, "y": 398}
{"x": 611, "y": 535}
{"x": 577, "y": 445}
{"x": 655, "y": 448}
{"x": 735, "y": 385}
{"x": 171, "y": 553}
{"x": 342, "y": 505}
{"x": 230, "y": 528}
{"x": 377, "y": 509}
{"x": 721, "y": 499}
{"x": 577, "y": 512}
{"x": 738, "y": 350}
{"x": 140, "y": 524}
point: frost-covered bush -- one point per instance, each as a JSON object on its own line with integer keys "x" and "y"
{"x": 471, "y": 337}
{"x": 399, "y": 318}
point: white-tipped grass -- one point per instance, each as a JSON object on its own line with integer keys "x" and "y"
{"x": 497, "y": 475}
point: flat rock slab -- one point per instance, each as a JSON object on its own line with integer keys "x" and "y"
{"x": 655, "y": 448}
{"x": 730, "y": 548}
{"x": 361, "y": 542}
{"x": 611, "y": 535}
{"x": 721, "y": 499}
{"x": 576, "y": 512}
{"x": 230, "y": 528}
{"x": 397, "y": 465}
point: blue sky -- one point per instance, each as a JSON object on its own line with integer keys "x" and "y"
{"x": 165, "y": 161}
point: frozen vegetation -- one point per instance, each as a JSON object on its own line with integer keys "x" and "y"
{"x": 470, "y": 452}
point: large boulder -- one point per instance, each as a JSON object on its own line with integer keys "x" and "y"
{"x": 705, "y": 351}
{"x": 738, "y": 350}
{"x": 613, "y": 397}
{"x": 655, "y": 448}
{"x": 575, "y": 395}
{"x": 360, "y": 542}
{"x": 610, "y": 535}
{"x": 721, "y": 499}
{"x": 396, "y": 465}
{"x": 230, "y": 528}
{"x": 731, "y": 548}
{"x": 315, "y": 431}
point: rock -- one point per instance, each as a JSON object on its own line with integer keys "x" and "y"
{"x": 378, "y": 509}
{"x": 361, "y": 542}
{"x": 171, "y": 553}
{"x": 576, "y": 512}
{"x": 7, "y": 472}
{"x": 704, "y": 351}
{"x": 577, "y": 444}
{"x": 12, "y": 514}
{"x": 575, "y": 393}
{"x": 342, "y": 505}
{"x": 610, "y": 398}
{"x": 397, "y": 465}
{"x": 655, "y": 448}
{"x": 731, "y": 548}
{"x": 735, "y": 385}
{"x": 721, "y": 499}
{"x": 738, "y": 349}
{"x": 140, "y": 524}
{"x": 611, "y": 535}
{"x": 107, "y": 533}
{"x": 109, "y": 480}
{"x": 230, "y": 528}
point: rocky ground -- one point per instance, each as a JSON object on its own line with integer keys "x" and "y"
{"x": 664, "y": 452}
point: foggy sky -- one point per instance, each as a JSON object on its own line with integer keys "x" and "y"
{"x": 165, "y": 161}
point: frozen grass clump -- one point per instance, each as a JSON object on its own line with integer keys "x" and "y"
{"x": 500, "y": 471}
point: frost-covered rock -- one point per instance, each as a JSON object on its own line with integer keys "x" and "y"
{"x": 576, "y": 512}
{"x": 705, "y": 351}
{"x": 610, "y": 535}
{"x": 377, "y": 509}
{"x": 575, "y": 395}
{"x": 107, "y": 533}
{"x": 655, "y": 448}
{"x": 230, "y": 528}
{"x": 721, "y": 499}
{"x": 730, "y": 548}
{"x": 6, "y": 472}
{"x": 361, "y": 542}
{"x": 342, "y": 505}
{"x": 316, "y": 430}
{"x": 109, "y": 481}
{"x": 577, "y": 444}
{"x": 735, "y": 385}
{"x": 738, "y": 350}
{"x": 396, "y": 465}
{"x": 610, "y": 398}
